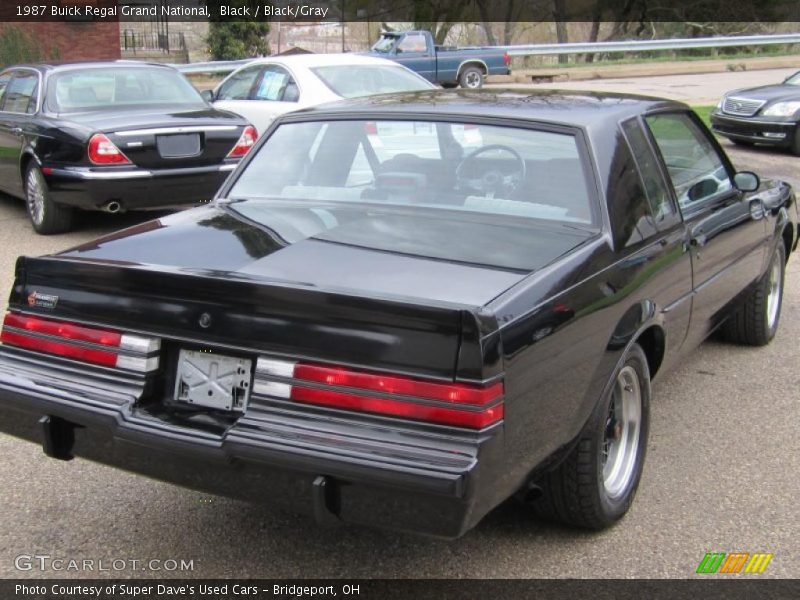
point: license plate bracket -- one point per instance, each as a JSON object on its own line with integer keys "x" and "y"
{"x": 178, "y": 145}
{"x": 211, "y": 380}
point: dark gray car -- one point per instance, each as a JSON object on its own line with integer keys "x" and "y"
{"x": 768, "y": 114}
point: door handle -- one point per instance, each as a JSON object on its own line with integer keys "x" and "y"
{"x": 16, "y": 131}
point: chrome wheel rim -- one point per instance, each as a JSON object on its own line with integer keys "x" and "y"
{"x": 473, "y": 79}
{"x": 34, "y": 192}
{"x": 620, "y": 448}
{"x": 774, "y": 294}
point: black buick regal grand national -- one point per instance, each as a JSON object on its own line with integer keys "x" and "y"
{"x": 402, "y": 310}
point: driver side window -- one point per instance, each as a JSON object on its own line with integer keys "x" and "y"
{"x": 696, "y": 170}
{"x": 240, "y": 84}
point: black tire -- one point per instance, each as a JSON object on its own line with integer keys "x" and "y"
{"x": 471, "y": 78}
{"x": 46, "y": 216}
{"x": 796, "y": 142}
{"x": 756, "y": 322}
{"x": 578, "y": 491}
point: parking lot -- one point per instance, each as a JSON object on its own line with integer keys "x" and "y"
{"x": 721, "y": 475}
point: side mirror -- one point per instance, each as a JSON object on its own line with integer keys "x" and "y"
{"x": 208, "y": 95}
{"x": 746, "y": 181}
{"x": 702, "y": 189}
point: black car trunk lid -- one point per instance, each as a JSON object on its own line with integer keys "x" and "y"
{"x": 206, "y": 310}
{"x": 161, "y": 139}
{"x": 176, "y": 146}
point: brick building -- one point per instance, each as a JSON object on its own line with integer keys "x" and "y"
{"x": 74, "y": 41}
{"x": 70, "y": 38}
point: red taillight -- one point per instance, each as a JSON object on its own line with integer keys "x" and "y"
{"x": 68, "y": 331}
{"x": 79, "y": 342}
{"x": 98, "y": 357}
{"x": 102, "y": 151}
{"x": 506, "y": 59}
{"x": 403, "y": 386}
{"x": 458, "y": 404}
{"x": 246, "y": 141}
{"x": 386, "y": 406}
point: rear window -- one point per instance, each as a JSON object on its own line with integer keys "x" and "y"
{"x": 466, "y": 168}
{"x": 119, "y": 87}
{"x": 352, "y": 81}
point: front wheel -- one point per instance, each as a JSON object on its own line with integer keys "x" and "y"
{"x": 596, "y": 483}
{"x": 471, "y": 78}
{"x": 756, "y": 322}
{"x": 45, "y": 215}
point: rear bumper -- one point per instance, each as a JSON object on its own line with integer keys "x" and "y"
{"x": 336, "y": 469}
{"x": 756, "y": 130}
{"x": 135, "y": 188}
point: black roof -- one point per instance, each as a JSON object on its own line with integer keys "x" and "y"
{"x": 577, "y": 108}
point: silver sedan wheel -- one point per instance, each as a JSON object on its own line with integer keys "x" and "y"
{"x": 620, "y": 450}
{"x": 35, "y": 195}
{"x": 774, "y": 292}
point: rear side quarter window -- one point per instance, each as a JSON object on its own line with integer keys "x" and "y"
{"x": 629, "y": 210}
{"x": 658, "y": 195}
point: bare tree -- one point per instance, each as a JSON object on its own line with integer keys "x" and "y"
{"x": 439, "y": 16}
{"x": 511, "y": 12}
{"x": 562, "y": 34}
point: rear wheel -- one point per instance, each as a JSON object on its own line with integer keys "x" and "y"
{"x": 45, "y": 215}
{"x": 471, "y": 78}
{"x": 756, "y": 322}
{"x": 595, "y": 485}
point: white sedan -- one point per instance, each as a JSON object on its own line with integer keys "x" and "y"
{"x": 265, "y": 88}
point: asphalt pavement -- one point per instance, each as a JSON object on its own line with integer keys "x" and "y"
{"x": 721, "y": 476}
{"x": 692, "y": 88}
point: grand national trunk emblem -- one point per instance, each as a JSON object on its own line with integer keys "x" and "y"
{"x": 42, "y": 300}
{"x": 213, "y": 381}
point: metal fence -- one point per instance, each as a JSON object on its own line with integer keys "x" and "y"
{"x": 131, "y": 42}
{"x": 575, "y": 48}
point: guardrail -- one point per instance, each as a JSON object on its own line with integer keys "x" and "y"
{"x": 571, "y": 48}
{"x": 644, "y": 45}
{"x": 215, "y": 66}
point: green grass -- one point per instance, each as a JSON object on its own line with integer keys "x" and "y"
{"x": 703, "y": 112}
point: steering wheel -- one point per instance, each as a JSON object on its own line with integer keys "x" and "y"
{"x": 493, "y": 181}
